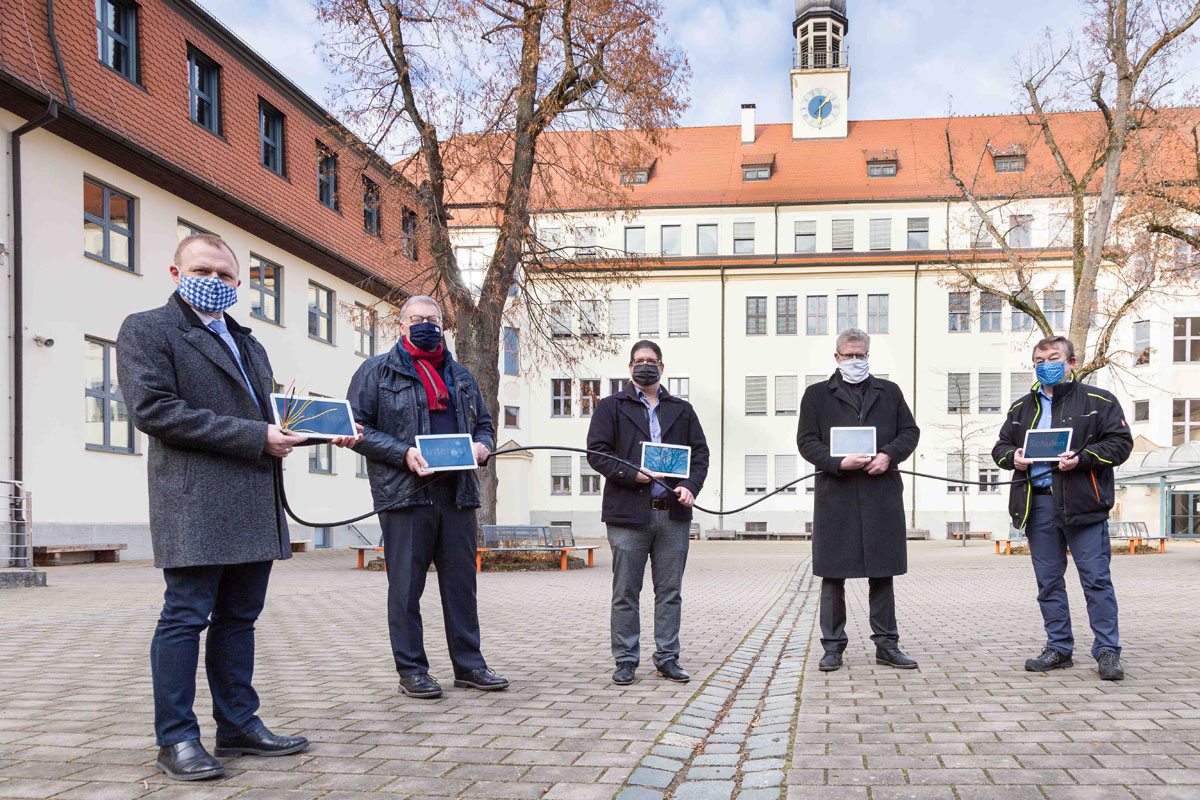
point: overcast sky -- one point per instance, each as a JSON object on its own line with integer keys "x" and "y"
{"x": 908, "y": 57}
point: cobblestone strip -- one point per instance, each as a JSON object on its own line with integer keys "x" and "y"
{"x": 734, "y": 737}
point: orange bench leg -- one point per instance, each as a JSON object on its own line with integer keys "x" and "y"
{"x": 361, "y": 556}
{"x": 591, "y": 558}
{"x": 479, "y": 560}
{"x": 1162, "y": 545}
{"x": 562, "y": 562}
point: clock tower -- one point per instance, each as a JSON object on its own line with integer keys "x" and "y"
{"x": 820, "y": 70}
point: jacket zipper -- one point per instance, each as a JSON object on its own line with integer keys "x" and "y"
{"x": 1037, "y": 413}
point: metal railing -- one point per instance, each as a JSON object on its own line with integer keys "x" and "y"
{"x": 820, "y": 59}
{"x": 16, "y": 538}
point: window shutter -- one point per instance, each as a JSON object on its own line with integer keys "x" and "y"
{"x": 954, "y": 466}
{"x": 648, "y": 316}
{"x": 806, "y": 227}
{"x": 560, "y": 319}
{"x": 618, "y": 317}
{"x": 584, "y": 467}
{"x": 785, "y": 394}
{"x": 918, "y": 224}
{"x": 756, "y": 472}
{"x": 958, "y": 387}
{"x": 743, "y": 230}
{"x": 677, "y": 316}
{"x": 980, "y": 235}
{"x": 785, "y": 469}
{"x": 810, "y": 380}
{"x": 843, "y": 234}
{"x": 756, "y": 395}
{"x": 560, "y": 465}
{"x": 989, "y": 391}
{"x": 1019, "y": 385}
{"x": 881, "y": 234}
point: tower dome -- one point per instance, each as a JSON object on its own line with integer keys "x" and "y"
{"x": 807, "y": 9}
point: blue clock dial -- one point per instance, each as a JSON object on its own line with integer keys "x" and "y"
{"x": 820, "y": 106}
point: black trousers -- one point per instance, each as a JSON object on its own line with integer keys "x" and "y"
{"x": 833, "y": 613}
{"x": 413, "y": 538}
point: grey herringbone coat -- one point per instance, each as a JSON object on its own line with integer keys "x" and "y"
{"x": 212, "y": 493}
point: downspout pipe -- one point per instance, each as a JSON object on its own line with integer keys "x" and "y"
{"x": 62, "y": 70}
{"x": 721, "y": 466}
{"x": 18, "y": 290}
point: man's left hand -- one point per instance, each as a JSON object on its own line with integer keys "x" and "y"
{"x": 348, "y": 441}
{"x": 481, "y": 453}
{"x": 686, "y": 498}
{"x": 1068, "y": 461}
{"x": 879, "y": 464}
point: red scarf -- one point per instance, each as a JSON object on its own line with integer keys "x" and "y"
{"x": 427, "y": 366}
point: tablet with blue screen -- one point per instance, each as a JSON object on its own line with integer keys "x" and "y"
{"x": 314, "y": 417}
{"x": 1046, "y": 444}
{"x": 444, "y": 452}
{"x": 671, "y": 460}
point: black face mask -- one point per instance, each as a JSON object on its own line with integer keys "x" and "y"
{"x": 425, "y": 336}
{"x": 646, "y": 375}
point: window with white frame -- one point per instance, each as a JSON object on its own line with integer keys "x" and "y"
{"x": 991, "y": 312}
{"x": 1021, "y": 321}
{"x": 1060, "y": 231}
{"x": 743, "y": 237}
{"x": 589, "y": 479}
{"x": 512, "y": 416}
{"x": 706, "y": 240}
{"x": 756, "y": 172}
{"x": 1185, "y": 420}
{"x": 918, "y": 233}
{"x": 756, "y": 395}
{"x": 1011, "y": 163}
{"x": 812, "y": 379}
{"x": 635, "y": 240}
{"x": 585, "y": 242}
{"x": 590, "y": 317}
{"x": 989, "y": 392}
{"x": 1141, "y": 342}
{"x": 882, "y": 169}
{"x": 786, "y": 471}
{"x": 989, "y": 475}
{"x": 785, "y": 315}
{"x": 618, "y": 318}
{"x": 1020, "y": 230}
{"x": 787, "y": 395}
{"x": 756, "y": 316}
{"x": 617, "y": 385}
{"x": 1186, "y": 340}
{"x": 1141, "y": 410}
{"x": 560, "y": 397}
{"x": 881, "y": 233}
{"x": 806, "y": 235}
{"x": 877, "y": 313}
{"x": 843, "y": 234}
{"x": 551, "y": 240}
{"x": 817, "y": 315}
{"x": 672, "y": 240}
{"x": 1018, "y": 386}
{"x": 679, "y": 387}
{"x": 560, "y": 320}
{"x": 560, "y": 474}
{"x": 960, "y": 312}
{"x": 589, "y": 395}
{"x": 847, "y": 312}
{"x": 981, "y": 237}
{"x": 1054, "y": 306}
{"x": 677, "y": 316}
{"x": 1185, "y": 254}
{"x": 756, "y": 473}
{"x": 648, "y": 317}
{"x": 958, "y": 392}
{"x": 472, "y": 265}
{"x": 956, "y": 470}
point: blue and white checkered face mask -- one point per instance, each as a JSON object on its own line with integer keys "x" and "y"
{"x": 209, "y": 294}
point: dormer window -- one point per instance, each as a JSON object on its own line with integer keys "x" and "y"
{"x": 757, "y": 166}
{"x": 882, "y": 163}
{"x": 1008, "y": 159}
{"x": 637, "y": 174}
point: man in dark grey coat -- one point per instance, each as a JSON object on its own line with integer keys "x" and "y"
{"x": 197, "y": 384}
{"x": 858, "y": 514}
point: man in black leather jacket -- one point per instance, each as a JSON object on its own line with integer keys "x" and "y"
{"x": 417, "y": 388}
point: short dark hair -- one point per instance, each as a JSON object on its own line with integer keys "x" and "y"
{"x": 1061, "y": 342}
{"x": 207, "y": 238}
{"x": 645, "y": 344}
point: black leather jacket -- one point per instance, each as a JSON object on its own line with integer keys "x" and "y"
{"x": 388, "y": 400}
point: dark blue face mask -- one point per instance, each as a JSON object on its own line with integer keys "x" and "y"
{"x": 425, "y": 336}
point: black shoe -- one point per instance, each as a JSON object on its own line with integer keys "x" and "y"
{"x": 1048, "y": 660}
{"x": 892, "y": 657}
{"x": 260, "y": 742}
{"x": 420, "y": 685}
{"x": 671, "y": 671}
{"x": 624, "y": 674}
{"x": 482, "y": 679}
{"x": 830, "y": 662}
{"x": 188, "y": 761}
{"x": 1110, "y": 666}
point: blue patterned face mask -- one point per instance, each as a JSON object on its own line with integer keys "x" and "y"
{"x": 209, "y": 295}
{"x": 1051, "y": 373}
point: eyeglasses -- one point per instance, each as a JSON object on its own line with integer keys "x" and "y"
{"x": 854, "y": 356}
{"x": 653, "y": 361}
{"x": 417, "y": 319}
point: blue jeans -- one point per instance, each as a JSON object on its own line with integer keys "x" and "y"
{"x": 1089, "y": 546}
{"x": 665, "y": 542}
{"x": 227, "y": 600}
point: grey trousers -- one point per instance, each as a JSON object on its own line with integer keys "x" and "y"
{"x": 833, "y": 613}
{"x": 665, "y": 543}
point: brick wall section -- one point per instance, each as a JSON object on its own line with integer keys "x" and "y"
{"x": 155, "y": 116}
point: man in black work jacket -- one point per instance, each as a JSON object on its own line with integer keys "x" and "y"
{"x": 1065, "y": 504}
{"x": 644, "y": 519}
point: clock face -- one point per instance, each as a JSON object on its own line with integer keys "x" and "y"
{"x": 821, "y": 107}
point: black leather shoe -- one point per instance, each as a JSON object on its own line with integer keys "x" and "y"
{"x": 260, "y": 742}
{"x": 420, "y": 686}
{"x": 624, "y": 674}
{"x": 1048, "y": 660}
{"x": 671, "y": 671}
{"x": 830, "y": 662}
{"x": 188, "y": 761}
{"x": 892, "y": 657}
{"x": 1110, "y": 666}
{"x": 482, "y": 679}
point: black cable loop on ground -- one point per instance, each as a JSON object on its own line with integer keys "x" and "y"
{"x": 278, "y": 473}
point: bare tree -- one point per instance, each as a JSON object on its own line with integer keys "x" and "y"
{"x": 968, "y": 435}
{"x": 511, "y": 109}
{"x": 1123, "y": 65}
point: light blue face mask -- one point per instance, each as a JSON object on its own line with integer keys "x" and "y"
{"x": 209, "y": 295}
{"x": 1051, "y": 373}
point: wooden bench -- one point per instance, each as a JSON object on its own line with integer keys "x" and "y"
{"x": 562, "y": 551}
{"x": 58, "y": 555}
{"x": 969, "y": 534}
{"x": 531, "y": 539}
{"x": 362, "y": 553}
{"x": 301, "y": 545}
{"x": 771, "y": 536}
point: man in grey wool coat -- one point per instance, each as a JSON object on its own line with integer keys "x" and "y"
{"x": 198, "y": 384}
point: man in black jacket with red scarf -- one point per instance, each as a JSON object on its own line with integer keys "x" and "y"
{"x": 417, "y": 388}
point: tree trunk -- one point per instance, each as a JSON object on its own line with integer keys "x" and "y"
{"x": 478, "y": 343}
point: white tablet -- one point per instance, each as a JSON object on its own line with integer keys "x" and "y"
{"x": 671, "y": 460}
{"x": 1046, "y": 443}
{"x": 314, "y": 417}
{"x": 444, "y": 452}
{"x": 851, "y": 441}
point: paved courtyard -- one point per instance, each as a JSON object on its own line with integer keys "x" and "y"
{"x": 758, "y": 721}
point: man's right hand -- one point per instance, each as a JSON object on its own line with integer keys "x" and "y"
{"x": 413, "y": 460}
{"x": 856, "y": 461}
{"x": 1020, "y": 461}
{"x": 280, "y": 442}
{"x": 643, "y": 476}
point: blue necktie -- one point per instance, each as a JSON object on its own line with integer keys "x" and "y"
{"x": 219, "y": 327}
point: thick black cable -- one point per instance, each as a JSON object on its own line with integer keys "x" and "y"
{"x": 279, "y": 488}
